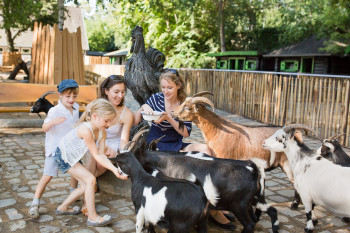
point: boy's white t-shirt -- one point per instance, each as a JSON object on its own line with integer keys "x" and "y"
{"x": 56, "y": 132}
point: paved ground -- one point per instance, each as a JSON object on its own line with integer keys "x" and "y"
{"x": 21, "y": 166}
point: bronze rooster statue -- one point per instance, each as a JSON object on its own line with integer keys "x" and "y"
{"x": 143, "y": 69}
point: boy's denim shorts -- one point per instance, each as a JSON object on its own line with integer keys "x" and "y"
{"x": 63, "y": 166}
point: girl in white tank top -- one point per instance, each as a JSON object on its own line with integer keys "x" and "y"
{"x": 74, "y": 146}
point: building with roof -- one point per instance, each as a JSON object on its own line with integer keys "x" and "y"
{"x": 237, "y": 60}
{"x": 117, "y": 57}
{"x": 23, "y": 43}
{"x": 306, "y": 56}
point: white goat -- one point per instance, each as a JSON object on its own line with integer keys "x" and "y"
{"x": 317, "y": 180}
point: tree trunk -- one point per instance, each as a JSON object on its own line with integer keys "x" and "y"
{"x": 60, "y": 14}
{"x": 222, "y": 26}
{"x": 10, "y": 40}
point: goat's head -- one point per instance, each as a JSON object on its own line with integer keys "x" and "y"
{"x": 124, "y": 161}
{"x": 188, "y": 110}
{"x": 278, "y": 141}
{"x": 329, "y": 145}
{"x": 42, "y": 104}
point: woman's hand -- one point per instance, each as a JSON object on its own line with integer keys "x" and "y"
{"x": 164, "y": 117}
{"x": 147, "y": 109}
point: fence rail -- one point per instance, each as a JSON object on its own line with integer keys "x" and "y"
{"x": 321, "y": 102}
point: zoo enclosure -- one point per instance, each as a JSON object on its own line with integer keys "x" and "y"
{"x": 319, "y": 101}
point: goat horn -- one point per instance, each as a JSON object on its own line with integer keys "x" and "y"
{"x": 202, "y": 93}
{"x": 203, "y": 100}
{"x": 134, "y": 139}
{"x": 288, "y": 128}
{"x": 336, "y": 137}
{"x": 139, "y": 133}
{"x": 47, "y": 93}
{"x": 156, "y": 141}
{"x": 128, "y": 145}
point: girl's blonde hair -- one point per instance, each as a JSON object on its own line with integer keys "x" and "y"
{"x": 99, "y": 106}
{"x": 173, "y": 75}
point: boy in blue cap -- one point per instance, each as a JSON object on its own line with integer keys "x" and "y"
{"x": 59, "y": 121}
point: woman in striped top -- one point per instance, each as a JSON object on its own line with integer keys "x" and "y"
{"x": 172, "y": 95}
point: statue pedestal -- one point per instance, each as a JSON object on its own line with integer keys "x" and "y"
{"x": 109, "y": 183}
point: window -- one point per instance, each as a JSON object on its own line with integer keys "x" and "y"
{"x": 290, "y": 65}
{"x": 1, "y": 50}
{"x": 25, "y": 51}
{"x": 221, "y": 64}
{"x": 236, "y": 63}
{"x": 250, "y": 65}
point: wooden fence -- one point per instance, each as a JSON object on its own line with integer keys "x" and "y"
{"x": 106, "y": 70}
{"x": 92, "y": 60}
{"x": 56, "y": 55}
{"x": 321, "y": 102}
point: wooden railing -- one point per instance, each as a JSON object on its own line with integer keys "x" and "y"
{"x": 319, "y": 101}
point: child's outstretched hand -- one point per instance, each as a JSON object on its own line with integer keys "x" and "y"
{"x": 58, "y": 120}
{"x": 120, "y": 176}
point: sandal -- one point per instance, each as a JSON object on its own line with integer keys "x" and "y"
{"x": 76, "y": 210}
{"x": 85, "y": 212}
{"x": 106, "y": 220}
{"x": 34, "y": 211}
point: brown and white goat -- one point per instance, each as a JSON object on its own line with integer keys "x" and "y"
{"x": 228, "y": 139}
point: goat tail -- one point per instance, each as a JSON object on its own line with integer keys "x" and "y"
{"x": 261, "y": 164}
{"x": 210, "y": 190}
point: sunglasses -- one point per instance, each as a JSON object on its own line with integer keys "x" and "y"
{"x": 116, "y": 77}
{"x": 173, "y": 71}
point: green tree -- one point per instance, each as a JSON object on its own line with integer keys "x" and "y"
{"x": 19, "y": 16}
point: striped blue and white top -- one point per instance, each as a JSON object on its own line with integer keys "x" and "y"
{"x": 173, "y": 140}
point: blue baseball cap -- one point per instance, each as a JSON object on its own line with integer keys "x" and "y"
{"x": 66, "y": 83}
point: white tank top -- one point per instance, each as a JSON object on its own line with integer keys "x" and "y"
{"x": 114, "y": 134}
{"x": 74, "y": 148}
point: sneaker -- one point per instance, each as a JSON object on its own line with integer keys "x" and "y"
{"x": 34, "y": 211}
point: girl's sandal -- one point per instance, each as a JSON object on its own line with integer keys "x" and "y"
{"x": 85, "y": 212}
{"x": 106, "y": 220}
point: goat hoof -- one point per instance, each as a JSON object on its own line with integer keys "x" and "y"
{"x": 307, "y": 230}
{"x": 314, "y": 222}
{"x": 275, "y": 229}
{"x": 346, "y": 219}
{"x": 294, "y": 206}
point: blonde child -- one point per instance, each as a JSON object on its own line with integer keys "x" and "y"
{"x": 59, "y": 121}
{"x": 89, "y": 135}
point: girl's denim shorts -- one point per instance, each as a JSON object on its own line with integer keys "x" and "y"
{"x": 63, "y": 166}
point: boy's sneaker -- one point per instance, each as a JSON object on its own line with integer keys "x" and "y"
{"x": 34, "y": 211}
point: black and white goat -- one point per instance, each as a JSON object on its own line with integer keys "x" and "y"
{"x": 317, "y": 180}
{"x": 42, "y": 104}
{"x": 176, "y": 205}
{"x": 331, "y": 149}
{"x": 240, "y": 184}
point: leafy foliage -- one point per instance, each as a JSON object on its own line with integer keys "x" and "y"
{"x": 186, "y": 30}
{"x": 19, "y": 16}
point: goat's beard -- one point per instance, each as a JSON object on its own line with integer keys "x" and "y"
{"x": 181, "y": 125}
